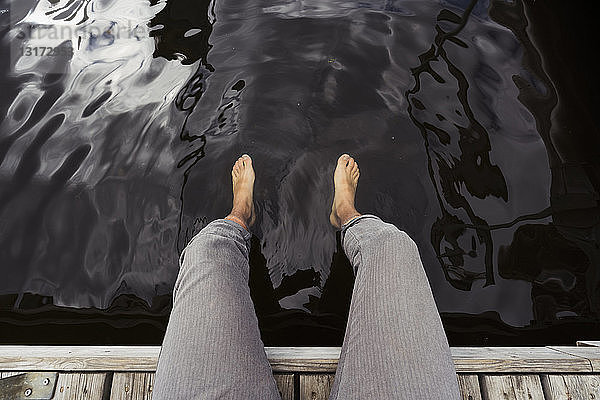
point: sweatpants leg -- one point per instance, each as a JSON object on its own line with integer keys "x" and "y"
{"x": 395, "y": 346}
{"x": 212, "y": 347}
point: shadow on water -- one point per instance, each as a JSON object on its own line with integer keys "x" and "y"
{"x": 458, "y": 153}
{"x": 472, "y": 129}
{"x": 561, "y": 258}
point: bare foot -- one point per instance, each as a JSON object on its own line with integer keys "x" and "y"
{"x": 242, "y": 176}
{"x": 345, "y": 180}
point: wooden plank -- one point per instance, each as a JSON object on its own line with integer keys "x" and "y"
{"x": 79, "y": 358}
{"x": 144, "y": 358}
{"x": 86, "y": 386}
{"x": 285, "y": 383}
{"x": 591, "y": 354}
{"x": 571, "y": 387}
{"x": 469, "y": 387}
{"x": 303, "y": 359}
{"x": 132, "y": 386}
{"x": 511, "y": 387}
{"x": 516, "y": 360}
{"x": 315, "y": 386}
{"x": 588, "y": 343}
{"x": 294, "y": 359}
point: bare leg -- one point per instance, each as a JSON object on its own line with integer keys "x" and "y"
{"x": 395, "y": 346}
{"x": 212, "y": 348}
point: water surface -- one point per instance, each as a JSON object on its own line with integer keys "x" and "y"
{"x": 117, "y": 149}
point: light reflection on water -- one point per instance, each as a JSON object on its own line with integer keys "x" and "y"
{"x": 113, "y": 158}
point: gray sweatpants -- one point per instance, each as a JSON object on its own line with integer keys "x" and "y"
{"x": 394, "y": 347}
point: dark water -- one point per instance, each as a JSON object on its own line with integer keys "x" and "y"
{"x": 472, "y": 122}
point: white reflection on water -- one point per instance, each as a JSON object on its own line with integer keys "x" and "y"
{"x": 111, "y": 77}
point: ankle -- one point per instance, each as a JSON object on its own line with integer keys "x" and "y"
{"x": 241, "y": 211}
{"x": 347, "y": 220}
{"x": 238, "y": 219}
{"x": 349, "y": 217}
{"x": 347, "y": 213}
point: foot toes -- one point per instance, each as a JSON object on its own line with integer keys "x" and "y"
{"x": 239, "y": 164}
{"x": 343, "y": 160}
{"x": 351, "y": 163}
{"x": 245, "y": 160}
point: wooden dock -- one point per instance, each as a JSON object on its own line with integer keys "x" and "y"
{"x": 305, "y": 373}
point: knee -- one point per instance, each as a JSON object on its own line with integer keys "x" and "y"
{"x": 390, "y": 235}
{"x": 398, "y": 246}
{"x": 401, "y": 262}
{"x": 218, "y": 237}
{"x": 194, "y": 247}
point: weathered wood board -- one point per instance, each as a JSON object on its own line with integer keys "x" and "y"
{"x": 132, "y": 386}
{"x": 294, "y": 359}
{"x": 571, "y": 387}
{"x": 301, "y": 359}
{"x": 80, "y": 386}
{"x": 315, "y": 386}
{"x": 469, "y": 387}
{"x": 590, "y": 353}
{"x": 517, "y": 359}
{"x": 484, "y": 373}
{"x": 285, "y": 384}
{"x": 511, "y": 387}
{"x": 79, "y": 358}
{"x": 139, "y": 386}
